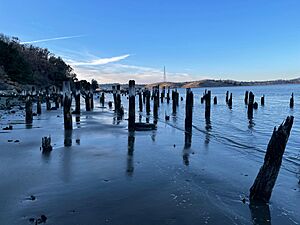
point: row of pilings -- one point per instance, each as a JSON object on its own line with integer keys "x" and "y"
{"x": 262, "y": 187}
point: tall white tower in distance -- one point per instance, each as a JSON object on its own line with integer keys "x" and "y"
{"x": 165, "y": 76}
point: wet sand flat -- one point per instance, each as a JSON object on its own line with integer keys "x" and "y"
{"x": 108, "y": 175}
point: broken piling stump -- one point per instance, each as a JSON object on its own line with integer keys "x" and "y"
{"x": 46, "y": 144}
{"x": 148, "y": 102}
{"x": 28, "y": 110}
{"x": 230, "y": 101}
{"x": 67, "y": 113}
{"x": 215, "y": 100}
{"x": 131, "y": 119}
{"x": 207, "y": 98}
{"x": 246, "y": 97}
{"x": 262, "y": 100}
{"x": 292, "y": 101}
{"x": 140, "y": 101}
{"x": 227, "y": 97}
{"x": 250, "y": 105}
{"x": 263, "y": 185}
{"x": 189, "y": 110}
{"x": 39, "y": 105}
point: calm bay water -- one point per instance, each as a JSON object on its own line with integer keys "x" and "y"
{"x": 231, "y": 127}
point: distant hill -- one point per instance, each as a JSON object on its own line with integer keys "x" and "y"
{"x": 221, "y": 83}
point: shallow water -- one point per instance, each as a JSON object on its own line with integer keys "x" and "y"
{"x": 107, "y": 175}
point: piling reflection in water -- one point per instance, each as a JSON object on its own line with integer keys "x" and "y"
{"x": 260, "y": 214}
{"x": 130, "y": 162}
{"x": 208, "y": 129}
{"x": 68, "y": 138}
{"x": 186, "y": 149}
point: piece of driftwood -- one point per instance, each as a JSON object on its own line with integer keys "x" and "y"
{"x": 144, "y": 126}
{"x": 263, "y": 185}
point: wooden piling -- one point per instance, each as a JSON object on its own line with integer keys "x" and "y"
{"x": 39, "y": 105}
{"x": 230, "y": 101}
{"x": 250, "y": 105}
{"x": 77, "y": 98}
{"x": 215, "y": 100}
{"x": 67, "y": 112}
{"x": 46, "y": 144}
{"x": 155, "y": 103}
{"x": 102, "y": 99}
{"x": 207, "y": 98}
{"x": 227, "y": 97}
{"x": 131, "y": 119}
{"x": 262, "y": 100}
{"x": 148, "y": 102}
{"x": 292, "y": 101}
{"x": 48, "y": 103}
{"x": 140, "y": 101}
{"x": 168, "y": 95}
{"x": 263, "y": 185}
{"x": 189, "y": 110}
{"x": 87, "y": 98}
{"x": 28, "y": 110}
{"x": 246, "y": 97}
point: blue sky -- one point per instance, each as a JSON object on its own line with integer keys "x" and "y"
{"x": 118, "y": 40}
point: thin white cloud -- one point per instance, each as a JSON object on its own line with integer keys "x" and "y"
{"x": 51, "y": 39}
{"x": 101, "y": 61}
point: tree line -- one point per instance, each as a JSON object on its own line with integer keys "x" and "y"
{"x": 28, "y": 64}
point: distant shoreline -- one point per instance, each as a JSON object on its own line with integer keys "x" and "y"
{"x": 210, "y": 83}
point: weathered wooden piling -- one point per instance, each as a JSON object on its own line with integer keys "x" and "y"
{"x": 140, "y": 101}
{"x": 175, "y": 101}
{"x": 46, "y": 144}
{"x": 250, "y": 105}
{"x": 262, "y": 100}
{"x": 263, "y": 185}
{"x": 168, "y": 95}
{"x": 148, "y": 102}
{"x": 39, "y": 105}
{"x": 77, "y": 98}
{"x": 246, "y": 97}
{"x": 118, "y": 100}
{"x": 102, "y": 99}
{"x": 155, "y": 103}
{"x": 189, "y": 110}
{"x": 230, "y": 101}
{"x": 207, "y": 98}
{"x": 255, "y": 105}
{"x": 92, "y": 99}
{"x": 131, "y": 119}
{"x": 227, "y": 97}
{"x": 67, "y": 112}
{"x": 292, "y": 101}
{"x": 87, "y": 102}
{"x": 215, "y": 100}
{"x": 48, "y": 103}
{"x": 28, "y": 110}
